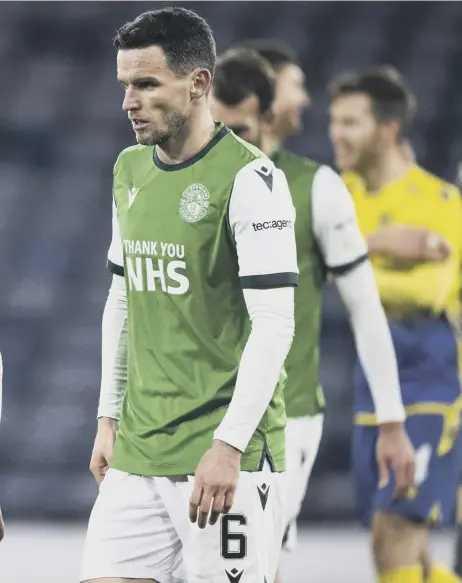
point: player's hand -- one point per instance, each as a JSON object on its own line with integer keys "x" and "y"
{"x": 395, "y": 451}
{"x": 408, "y": 243}
{"x": 216, "y": 478}
{"x": 103, "y": 448}
{"x": 2, "y": 526}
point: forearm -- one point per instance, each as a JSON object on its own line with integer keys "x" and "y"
{"x": 114, "y": 351}
{"x": 271, "y": 312}
{"x": 373, "y": 342}
{"x": 408, "y": 244}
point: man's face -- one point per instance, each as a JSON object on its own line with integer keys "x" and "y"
{"x": 290, "y": 100}
{"x": 244, "y": 119}
{"x": 156, "y": 99}
{"x": 357, "y": 138}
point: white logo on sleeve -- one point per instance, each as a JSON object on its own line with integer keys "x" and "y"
{"x": 132, "y": 192}
{"x": 194, "y": 203}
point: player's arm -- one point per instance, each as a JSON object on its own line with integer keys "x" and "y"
{"x": 427, "y": 285}
{"x": 113, "y": 358}
{"x": 261, "y": 217}
{"x": 345, "y": 254}
{"x": 408, "y": 243}
{"x": 114, "y": 333}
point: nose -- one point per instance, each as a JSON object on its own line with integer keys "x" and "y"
{"x": 130, "y": 102}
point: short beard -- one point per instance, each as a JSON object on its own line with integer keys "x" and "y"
{"x": 175, "y": 122}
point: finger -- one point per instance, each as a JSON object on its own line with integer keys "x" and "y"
{"x": 98, "y": 472}
{"x": 229, "y": 501}
{"x": 204, "y": 508}
{"x": 411, "y": 473}
{"x": 384, "y": 474}
{"x": 217, "y": 508}
{"x": 194, "y": 501}
{"x": 401, "y": 480}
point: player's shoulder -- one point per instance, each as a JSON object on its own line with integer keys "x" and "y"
{"x": 237, "y": 150}
{"x": 295, "y": 164}
{"x": 353, "y": 182}
{"x": 434, "y": 187}
{"x": 134, "y": 155}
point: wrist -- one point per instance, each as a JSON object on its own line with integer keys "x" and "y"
{"x": 376, "y": 244}
{"x": 391, "y": 427}
{"x": 108, "y": 423}
{"x": 226, "y": 449}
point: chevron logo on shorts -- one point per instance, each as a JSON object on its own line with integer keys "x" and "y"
{"x": 263, "y": 492}
{"x": 234, "y": 575}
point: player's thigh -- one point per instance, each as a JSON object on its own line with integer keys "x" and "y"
{"x": 437, "y": 469}
{"x": 130, "y": 534}
{"x": 244, "y": 546}
{"x": 365, "y": 473}
{"x": 303, "y": 436}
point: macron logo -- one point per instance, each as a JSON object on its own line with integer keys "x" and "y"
{"x": 132, "y": 192}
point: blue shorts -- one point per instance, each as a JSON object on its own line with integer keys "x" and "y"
{"x": 433, "y": 499}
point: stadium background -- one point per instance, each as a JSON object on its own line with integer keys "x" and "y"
{"x": 61, "y": 128}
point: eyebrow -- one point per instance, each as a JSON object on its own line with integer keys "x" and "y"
{"x": 141, "y": 80}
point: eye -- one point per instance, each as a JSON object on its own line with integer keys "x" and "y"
{"x": 148, "y": 84}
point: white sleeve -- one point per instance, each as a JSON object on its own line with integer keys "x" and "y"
{"x": 114, "y": 351}
{"x": 374, "y": 344}
{"x": 334, "y": 223}
{"x": 272, "y": 314}
{"x": 262, "y": 220}
{"x": 115, "y": 260}
{"x": 345, "y": 253}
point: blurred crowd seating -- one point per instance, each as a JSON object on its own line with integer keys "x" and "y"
{"x": 61, "y": 129}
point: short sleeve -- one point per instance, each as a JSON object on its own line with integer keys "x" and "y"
{"x": 335, "y": 224}
{"x": 115, "y": 261}
{"x": 262, "y": 223}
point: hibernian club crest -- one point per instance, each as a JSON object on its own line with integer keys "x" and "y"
{"x": 194, "y": 203}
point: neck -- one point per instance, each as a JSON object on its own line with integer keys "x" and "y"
{"x": 388, "y": 168}
{"x": 192, "y": 137}
{"x": 270, "y": 143}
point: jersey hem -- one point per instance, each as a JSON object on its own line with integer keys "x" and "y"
{"x": 249, "y": 464}
{"x": 423, "y": 408}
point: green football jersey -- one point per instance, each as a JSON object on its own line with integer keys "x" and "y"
{"x": 303, "y": 393}
{"x": 192, "y": 236}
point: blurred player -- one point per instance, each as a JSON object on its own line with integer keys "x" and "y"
{"x": 458, "y": 549}
{"x": 411, "y": 220}
{"x": 196, "y": 328}
{"x": 291, "y": 97}
{"x": 2, "y": 524}
{"x": 327, "y": 238}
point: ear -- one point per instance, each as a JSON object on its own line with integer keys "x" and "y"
{"x": 268, "y": 116}
{"x": 201, "y": 81}
{"x": 393, "y": 130}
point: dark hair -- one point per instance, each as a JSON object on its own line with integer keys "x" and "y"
{"x": 392, "y": 100}
{"x": 184, "y": 36}
{"x": 241, "y": 73}
{"x": 276, "y": 52}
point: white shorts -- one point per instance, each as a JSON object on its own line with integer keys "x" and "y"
{"x": 139, "y": 528}
{"x": 303, "y": 436}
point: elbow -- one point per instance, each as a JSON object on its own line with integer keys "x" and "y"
{"x": 276, "y": 332}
